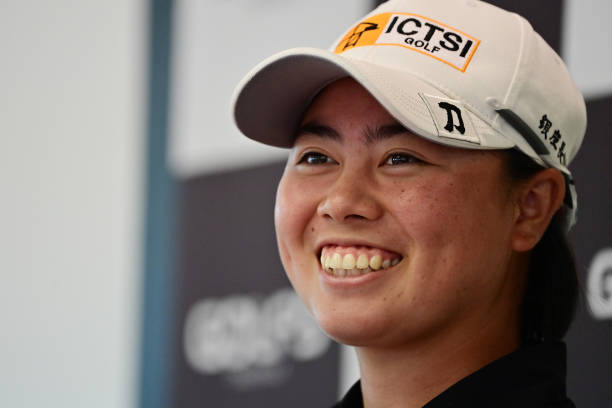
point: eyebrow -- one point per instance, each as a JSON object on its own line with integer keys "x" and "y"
{"x": 316, "y": 129}
{"x": 370, "y": 134}
{"x": 380, "y": 133}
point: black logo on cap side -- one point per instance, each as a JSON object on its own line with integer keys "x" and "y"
{"x": 450, "y": 124}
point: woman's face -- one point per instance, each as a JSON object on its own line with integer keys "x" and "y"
{"x": 389, "y": 238}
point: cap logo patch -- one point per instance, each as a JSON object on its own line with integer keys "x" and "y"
{"x": 355, "y": 35}
{"x": 416, "y": 33}
{"x": 451, "y": 119}
{"x": 450, "y": 123}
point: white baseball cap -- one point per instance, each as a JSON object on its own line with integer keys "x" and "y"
{"x": 462, "y": 73}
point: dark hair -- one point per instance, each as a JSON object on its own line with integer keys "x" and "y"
{"x": 551, "y": 291}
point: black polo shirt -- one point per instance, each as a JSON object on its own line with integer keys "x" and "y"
{"x": 531, "y": 377}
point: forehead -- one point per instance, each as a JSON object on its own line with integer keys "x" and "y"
{"x": 369, "y": 134}
{"x": 345, "y": 111}
{"x": 343, "y": 106}
{"x": 346, "y": 96}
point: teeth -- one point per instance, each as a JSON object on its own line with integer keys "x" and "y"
{"x": 376, "y": 262}
{"x": 362, "y": 261}
{"x": 348, "y": 262}
{"x": 347, "y": 265}
{"x": 336, "y": 261}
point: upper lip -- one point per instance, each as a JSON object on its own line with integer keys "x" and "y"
{"x": 351, "y": 242}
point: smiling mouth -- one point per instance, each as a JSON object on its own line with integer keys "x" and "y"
{"x": 342, "y": 261}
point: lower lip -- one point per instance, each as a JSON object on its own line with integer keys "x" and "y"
{"x": 350, "y": 282}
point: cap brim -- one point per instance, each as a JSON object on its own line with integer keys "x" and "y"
{"x": 271, "y": 99}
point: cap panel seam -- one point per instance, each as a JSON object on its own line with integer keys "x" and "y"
{"x": 519, "y": 62}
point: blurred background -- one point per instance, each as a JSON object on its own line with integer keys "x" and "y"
{"x": 137, "y": 257}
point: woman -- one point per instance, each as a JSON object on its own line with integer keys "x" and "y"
{"x": 422, "y": 212}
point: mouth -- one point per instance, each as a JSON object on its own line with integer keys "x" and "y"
{"x": 349, "y": 261}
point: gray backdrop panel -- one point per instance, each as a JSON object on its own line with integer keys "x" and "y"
{"x": 589, "y": 340}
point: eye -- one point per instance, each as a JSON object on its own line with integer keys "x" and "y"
{"x": 314, "y": 158}
{"x": 399, "y": 158}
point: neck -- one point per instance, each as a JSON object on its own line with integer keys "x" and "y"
{"x": 411, "y": 375}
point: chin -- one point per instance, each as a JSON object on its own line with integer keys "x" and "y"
{"x": 347, "y": 328}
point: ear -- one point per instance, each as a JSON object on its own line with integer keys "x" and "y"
{"x": 538, "y": 199}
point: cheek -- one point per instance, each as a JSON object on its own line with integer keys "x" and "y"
{"x": 293, "y": 212}
{"x": 454, "y": 243}
{"x": 424, "y": 209}
{"x": 459, "y": 218}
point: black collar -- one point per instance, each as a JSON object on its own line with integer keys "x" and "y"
{"x": 532, "y": 376}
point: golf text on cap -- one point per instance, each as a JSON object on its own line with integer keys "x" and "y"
{"x": 415, "y": 32}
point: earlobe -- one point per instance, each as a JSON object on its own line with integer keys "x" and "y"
{"x": 538, "y": 200}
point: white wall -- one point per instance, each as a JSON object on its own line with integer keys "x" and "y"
{"x": 72, "y": 75}
{"x": 586, "y": 45}
{"x": 215, "y": 43}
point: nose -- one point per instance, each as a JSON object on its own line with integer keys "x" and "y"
{"x": 350, "y": 197}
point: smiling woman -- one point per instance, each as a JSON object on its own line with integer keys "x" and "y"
{"x": 405, "y": 201}
{"x": 415, "y": 193}
{"x": 397, "y": 198}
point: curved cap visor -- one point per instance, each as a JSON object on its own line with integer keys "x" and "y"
{"x": 271, "y": 100}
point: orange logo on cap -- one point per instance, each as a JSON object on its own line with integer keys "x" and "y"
{"x": 364, "y": 33}
{"x": 416, "y": 33}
